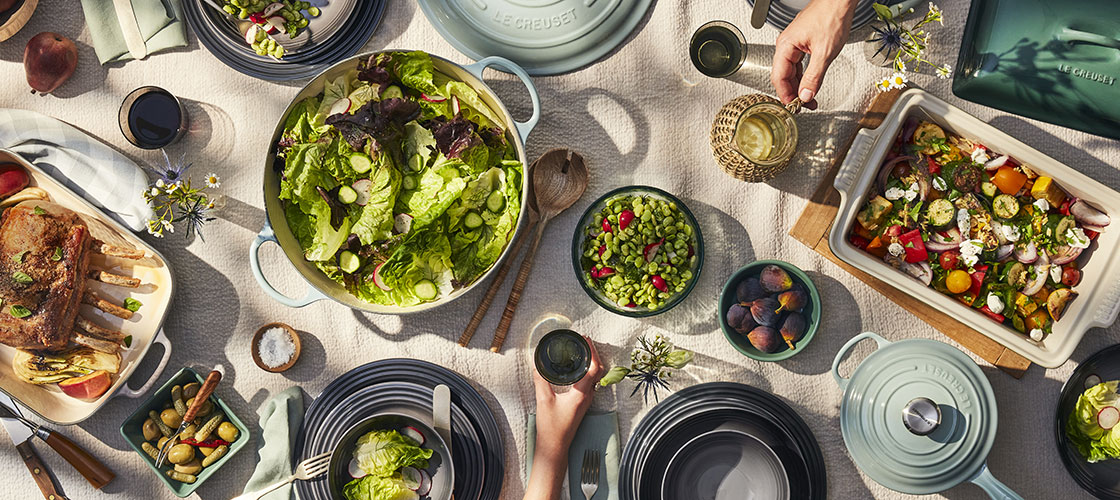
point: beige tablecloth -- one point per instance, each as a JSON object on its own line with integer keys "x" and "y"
{"x": 639, "y": 116}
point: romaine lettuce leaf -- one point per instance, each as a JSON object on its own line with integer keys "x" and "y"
{"x": 473, "y": 251}
{"x": 375, "y": 220}
{"x": 382, "y": 453}
{"x": 416, "y": 70}
{"x": 471, "y": 105}
{"x": 378, "y": 488}
{"x": 437, "y": 189}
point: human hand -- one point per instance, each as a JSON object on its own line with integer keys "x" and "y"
{"x": 558, "y": 418}
{"x": 820, "y": 30}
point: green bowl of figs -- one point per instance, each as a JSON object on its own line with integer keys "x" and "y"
{"x": 769, "y": 310}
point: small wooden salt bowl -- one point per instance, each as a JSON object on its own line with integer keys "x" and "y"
{"x": 256, "y": 342}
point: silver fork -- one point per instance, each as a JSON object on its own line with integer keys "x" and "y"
{"x": 589, "y": 474}
{"x": 308, "y": 469}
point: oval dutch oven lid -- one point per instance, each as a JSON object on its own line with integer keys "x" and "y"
{"x": 918, "y": 416}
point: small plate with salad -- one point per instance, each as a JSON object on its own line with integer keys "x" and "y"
{"x": 1085, "y": 424}
{"x": 391, "y": 457}
{"x": 396, "y": 182}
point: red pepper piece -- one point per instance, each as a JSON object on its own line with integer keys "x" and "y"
{"x": 914, "y": 245}
{"x": 624, "y": 219}
{"x": 998, "y": 318}
{"x": 934, "y": 168}
{"x": 978, "y": 279}
{"x": 858, "y": 241}
{"x": 209, "y": 443}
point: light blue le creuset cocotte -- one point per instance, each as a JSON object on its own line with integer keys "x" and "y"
{"x": 919, "y": 417}
{"x": 276, "y": 228}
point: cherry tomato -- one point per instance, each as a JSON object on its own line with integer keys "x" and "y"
{"x": 958, "y": 281}
{"x": 1071, "y": 276}
{"x": 950, "y": 259}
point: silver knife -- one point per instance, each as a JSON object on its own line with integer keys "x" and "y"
{"x": 21, "y": 430}
{"x": 441, "y": 413}
{"x": 21, "y": 436}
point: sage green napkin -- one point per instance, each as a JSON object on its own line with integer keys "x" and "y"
{"x": 281, "y": 418}
{"x": 598, "y": 431}
{"x": 160, "y": 22}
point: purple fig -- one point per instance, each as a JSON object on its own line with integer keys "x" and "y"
{"x": 793, "y": 328}
{"x": 764, "y": 311}
{"x": 775, "y": 279}
{"x": 793, "y": 299}
{"x": 739, "y": 318}
{"x": 749, "y": 290}
{"x": 765, "y": 339}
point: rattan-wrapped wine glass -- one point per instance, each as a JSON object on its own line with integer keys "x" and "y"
{"x": 779, "y": 120}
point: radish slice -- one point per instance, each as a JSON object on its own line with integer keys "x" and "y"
{"x": 412, "y": 478}
{"x": 354, "y": 470}
{"x": 1108, "y": 417}
{"x": 414, "y": 434}
{"x": 650, "y": 251}
{"x": 425, "y": 483}
{"x": 429, "y": 98}
{"x": 1092, "y": 380}
{"x": 377, "y": 278}
{"x": 402, "y": 223}
{"x": 277, "y": 23}
{"x": 251, "y": 34}
{"x": 272, "y": 8}
{"x": 454, "y": 105}
{"x": 361, "y": 186}
{"x": 341, "y": 106}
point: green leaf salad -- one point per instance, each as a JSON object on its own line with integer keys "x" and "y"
{"x": 398, "y": 182}
{"x": 1092, "y": 425}
{"x": 381, "y": 455}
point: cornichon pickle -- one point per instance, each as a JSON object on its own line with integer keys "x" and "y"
{"x": 211, "y": 425}
{"x": 163, "y": 428}
{"x": 215, "y": 455}
{"x": 182, "y": 478}
{"x": 152, "y": 451}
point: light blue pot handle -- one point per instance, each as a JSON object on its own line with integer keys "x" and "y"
{"x": 841, "y": 381}
{"x": 265, "y": 235}
{"x": 523, "y": 128}
{"x": 995, "y": 489}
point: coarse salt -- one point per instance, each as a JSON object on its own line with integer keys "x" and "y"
{"x": 276, "y": 347}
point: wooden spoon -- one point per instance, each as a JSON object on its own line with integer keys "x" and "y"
{"x": 559, "y": 178}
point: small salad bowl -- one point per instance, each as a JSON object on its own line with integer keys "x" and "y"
{"x": 436, "y": 482}
{"x": 810, "y": 311}
{"x": 580, "y": 264}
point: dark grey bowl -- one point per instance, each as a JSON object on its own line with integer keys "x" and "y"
{"x": 440, "y": 467}
{"x": 1102, "y": 479}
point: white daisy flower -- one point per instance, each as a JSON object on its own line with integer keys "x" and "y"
{"x": 936, "y": 14}
{"x": 172, "y": 188}
{"x": 167, "y": 226}
{"x": 213, "y": 181}
{"x": 159, "y": 183}
{"x": 944, "y": 72}
{"x": 883, "y": 85}
{"x": 898, "y": 80}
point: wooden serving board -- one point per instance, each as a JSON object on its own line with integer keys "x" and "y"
{"x": 812, "y": 229}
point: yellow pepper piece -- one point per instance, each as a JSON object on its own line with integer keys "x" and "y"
{"x": 1045, "y": 188}
{"x": 1024, "y": 305}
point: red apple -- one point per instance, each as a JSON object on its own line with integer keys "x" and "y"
{"x": 13, "y": 178}
{"x": 49, "y": 60}
{"x": 87, "y": 387}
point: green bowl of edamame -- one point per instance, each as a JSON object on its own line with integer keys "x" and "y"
{"x": 637, "y": 251}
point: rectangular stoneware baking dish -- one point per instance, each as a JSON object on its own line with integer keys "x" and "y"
{"x": 145, "y": 327}
{"x": 1099, "y": 291}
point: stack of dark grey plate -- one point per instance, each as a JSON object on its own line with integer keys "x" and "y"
{"x": 339, "y": 32}
{"x": 782, "y": 12}
{"x": 662, "y": 448}
{"x": 404, "y": 386}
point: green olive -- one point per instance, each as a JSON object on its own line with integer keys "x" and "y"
{"x": 227, "y": 431}
{"x": 180, "y": 454}
{"x": 162, "y": 440}
{"x": 189, "y": 431}
{"x": 151, "y": 432}
{"x": 192, "y": 467}
{"x": 204, "y": 409}
{"x": 191, "y": 389}
{"x": 171, "y": 418}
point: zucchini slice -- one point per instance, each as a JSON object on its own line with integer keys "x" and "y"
{"x": 496, "y": 201}
{"x": 472, "y": 220}
{"x": 347, "y": 195}
{"x": 1005, "y": 206}
{"x": 941, "y": 212}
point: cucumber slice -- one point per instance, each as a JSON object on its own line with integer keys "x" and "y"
{"x": 361, "y": 162}
{"x": 346, "y": 194}
{"x": 349, "y": 261}
{"x": 425, "y": 290}
{"x": 941, "y": 212}
{"x": 416, "y": 163}
{"x": 1005, "y": 206}
{"x": 496, "y": 201}
{"x": 472, "y": 220}
{"x": 409, "y": 182}
{"x": 392, "y": 92}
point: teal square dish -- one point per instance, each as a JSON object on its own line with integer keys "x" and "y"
{"x": 812, "y": 310}
{"x": 131, "y": 431}
{"x": 581, "y": 234}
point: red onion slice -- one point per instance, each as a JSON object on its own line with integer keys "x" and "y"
{"x": 1003, "y": 253}
{"x": 996, "y": 163}
{"x": 1027, "y": 254}
{"x": 1088, "y": 214}
{"x": 1065, "y": 255}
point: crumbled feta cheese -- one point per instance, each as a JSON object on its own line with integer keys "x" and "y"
{"x": 1010, "y": 232}
{"x": 1056, "y": 274}
{"x": 1036, "y": 335}
{"x": 912, "y": 192}
{"x": 970, "y": 252}
{"x": 994, "y": 303}
{"x": 1042, "y": 204}
{"x": 964, "y": 222}
{"x": 894, "y": 193}
{"x": 895, "y": 249}
{"x": 939, "y": 184}
{"x": 1076, "y": 238}
{"x": 980, "y": 155}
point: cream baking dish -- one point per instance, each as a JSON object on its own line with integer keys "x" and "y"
{"x": 145, "y": 327}
{"x": 1099, "y": 292}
